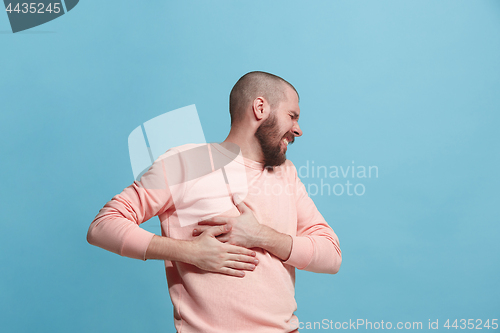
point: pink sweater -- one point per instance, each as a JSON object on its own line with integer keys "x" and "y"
{"x": 262, "y": 301}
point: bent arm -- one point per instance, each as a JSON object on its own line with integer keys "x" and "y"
{"x": 116, "y": 226}
{"x": 116, "y": 229}
{"x": 315, "y": 247}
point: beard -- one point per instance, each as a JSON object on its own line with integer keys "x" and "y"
{"x": 270, "y": 142}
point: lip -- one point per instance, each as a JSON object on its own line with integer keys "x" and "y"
{"x": 284, "y": 145}
{"x": 289, "y": 138}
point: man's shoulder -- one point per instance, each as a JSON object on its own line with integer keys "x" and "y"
{"x": 288, "y": 167}
{"x": 180, "y": 149}
{"x": 188, "y": 146}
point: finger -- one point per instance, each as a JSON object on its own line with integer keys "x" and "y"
{"x": 218, "y": 230}
{"x": 223, "y": 238}
{"x": 240, "y": 265}
{"x": 201, "y": 229}
{"x": 243, "y": 258}
{"x": 232, "y": 272}
{"x": 240, "y": 204}
{"x": 217, "y": 220}
{"x": 239, "y": 250}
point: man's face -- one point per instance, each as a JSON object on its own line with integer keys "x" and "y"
{"x": 280, "y": 129}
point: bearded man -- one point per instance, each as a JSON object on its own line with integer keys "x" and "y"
{"x": 234, "y": 272}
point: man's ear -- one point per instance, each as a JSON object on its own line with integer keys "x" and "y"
{"x": 260, "y": 108}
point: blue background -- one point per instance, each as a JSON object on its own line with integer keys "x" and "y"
{"x": 408, "y": 86}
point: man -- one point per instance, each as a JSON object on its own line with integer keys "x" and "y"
{"x": 234, "y": 272}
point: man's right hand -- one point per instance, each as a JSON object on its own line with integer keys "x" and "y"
{"x": 208, "y": 253}
{"x": 205, "y": 251}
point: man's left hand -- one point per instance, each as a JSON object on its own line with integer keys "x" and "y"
{"x": 245, "y": 229}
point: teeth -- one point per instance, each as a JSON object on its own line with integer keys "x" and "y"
{"x": 285, "y": 141}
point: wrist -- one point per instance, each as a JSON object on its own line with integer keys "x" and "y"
{"x": 275, "y": 242}
{"x": 188, "y": 253}
{"x": 165, "y": 248}
{"x": 261, "y": 237}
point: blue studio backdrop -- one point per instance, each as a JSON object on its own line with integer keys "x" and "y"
{"x": 405, "y": 90}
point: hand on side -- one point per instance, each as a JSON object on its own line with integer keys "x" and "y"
{"x": 247, "y": 232}
{"x": 211, "y": 255}
{"x": 205, "y": 252}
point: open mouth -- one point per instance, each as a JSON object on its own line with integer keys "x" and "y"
{"x": 287, "y": 140}
{"x": 284, "y": 144}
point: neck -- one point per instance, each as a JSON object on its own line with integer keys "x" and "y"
{"x": 246, "y": 140}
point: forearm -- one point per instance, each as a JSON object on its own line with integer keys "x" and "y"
{"x": 274, "y": 242}
{"x": 165, "y": 248}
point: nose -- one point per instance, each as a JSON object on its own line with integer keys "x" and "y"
{"x": 296, "y": 130}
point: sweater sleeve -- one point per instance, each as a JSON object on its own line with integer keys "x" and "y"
{"x": 116, "y": 226}
{"x": 315, "y": 247}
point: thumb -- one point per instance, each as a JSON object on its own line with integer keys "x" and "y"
{"x": 218, "y": 230}
{"x": 240, "y": 204}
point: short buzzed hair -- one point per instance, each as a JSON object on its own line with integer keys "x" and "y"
{"x": 253, "y": 85}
